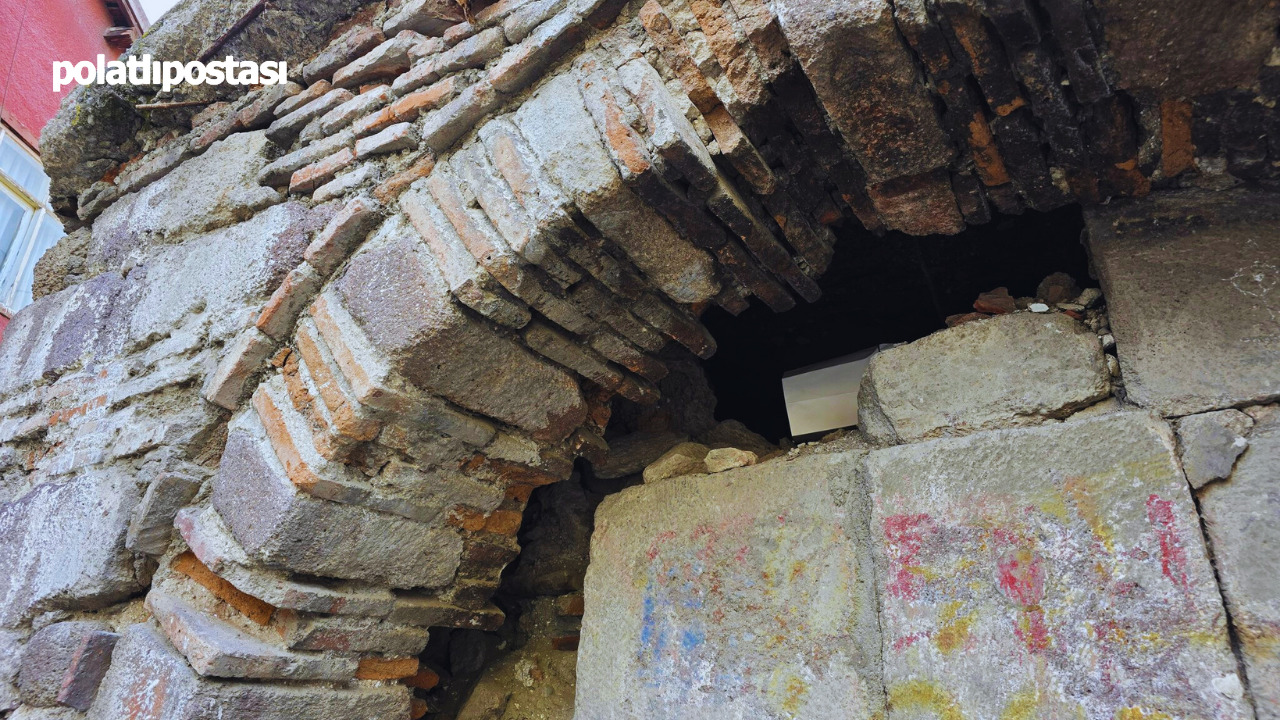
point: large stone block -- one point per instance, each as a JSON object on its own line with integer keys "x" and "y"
{"x": 286, "y": 529}
{"x": 1242, "y": 516}
{"x": 1185, "y": 48}
{"x": 62, "y": 546}
{"x": 212, "y": 191}
{"x": 50, "y": 654}
{"x": 1056, "y": 571}
{"x": 149, "y": 680}
{"x": 1190, "y": 279}
{"x": 395, "y": 292}
{"x": 744, "y": 594}
{"x": 563, "y": 135}
{"x": 1011, "y": 370}
{"x": 866, "y": 78}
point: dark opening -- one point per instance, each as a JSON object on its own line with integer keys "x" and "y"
{"x": 895, "y": 288}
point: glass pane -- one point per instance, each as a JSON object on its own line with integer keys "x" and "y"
{"x": 48, "y": 233}
{"x": 11, "y": 214}
{"x": 24, "y": 169}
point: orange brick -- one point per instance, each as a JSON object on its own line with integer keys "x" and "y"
{"x": 316, "y": 174}
{"x": 466, "y": 518}
{"x": 248, "y": 605}
{"x": 375, "y": 122}
{"x": 295, "y": 467}
{"x": 426, "y": 679}
{"x": 377, "y": 668}
{"x": 504, "y": 522}
{"x": 669, "y": 43}
{"x": 346, "y": 420}
{"x": 1179, "y": 153}
{"x": 417, "y": 708}
{"x": 519, "y": 493}
{"x": 409, "y": 107}
{"x": 567, "y": 643}
{"x": 398, "y": 183}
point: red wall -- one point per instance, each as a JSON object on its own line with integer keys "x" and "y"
{"x": 33, "y": 34}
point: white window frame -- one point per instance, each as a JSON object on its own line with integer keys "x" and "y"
{"x": 19, "y": 262}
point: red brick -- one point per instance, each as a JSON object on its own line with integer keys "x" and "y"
{"x": 391, "y": 188}
{"x": 288, "y": 300}
{"x": 426, "y": 679}
{"x": 409, "y": 107}
{"x": 347, "y": 420}
{"x": 313, "y": 176}
{"x": 667, "y": 39}
{"x": 286, "y": 451}
{"x": 248, "y": 605}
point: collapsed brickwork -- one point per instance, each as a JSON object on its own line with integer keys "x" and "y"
{"x": 307, "y": 353}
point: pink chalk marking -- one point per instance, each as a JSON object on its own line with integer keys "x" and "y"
{"x": 1036, "y": 635}
{"x": 1173, "y": 558}
{"x": 907, "y": 641}
{"x": 1022, "y": 577}
{"x": 652, "y": 554}
{"x": 905, "y": 538}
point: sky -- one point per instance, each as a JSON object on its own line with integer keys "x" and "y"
{"x": 155, "y": 8}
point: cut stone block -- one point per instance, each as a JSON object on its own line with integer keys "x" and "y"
{"x": 743, "y": 594}
{"x": 1242, "y": 517}
{"x": 866, "y": 77}
{"x": 50, "y": 657}
{"x": 285, "y": 529}
{"x": 149, "y": 680}
{"x": 344, "y": 232}
{"x": 218, "y": 649}
{"x": 1011, "y": 370}
{"x": 561, "y": 132}
{"x": 89, "y": 664}
{"x": 62, "y": 546}
{"x": 1015, "y": 561}
{"x": 1190, "y": 281}
{"x": 216, "y": 549}
{"x": 394, "y": 290}
{"x": 1211, "y": 443}
{"x": 245, "y": 357}
{"x": 152, "y": 524}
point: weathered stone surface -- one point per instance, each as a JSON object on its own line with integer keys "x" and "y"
{"x": 152, "y": 524}
{"x": 385, "y": 61}
{"x": 63, "y": 547}
{"x": 1189, "y": 279}
{"x": 1186, "y": 49}
{"x": 396, "y": 293}
{"x": 1210, "y": 444}
{"x": 722, "y": 459}
{"x": 149, "y": 680}
{"x": 690, "y": 585}
{"x": 89, "y": 664}
{"x": 218, "y": 649}
{"x": 1010, "y": 370}
{"x": 997, "y": 552}
{"x": 631, "y": 454}
{"x": 562, "y": 134}
{"x": 49, "y": 655}
{"x": 555, "y": 551}
{"x": 285, "y": 529}
{"x": 344, "y": 232}
{"x": 211, "y": 191}
{"x": 430, "y": 17}
{"x": 246, "y": 356}
{"x": 1242, "y": 517}
{"x": 683, "y": 459}
{"x": 353, "y": 635}
{"x": 866, "y": 78}
{"x": 351, "y": 45}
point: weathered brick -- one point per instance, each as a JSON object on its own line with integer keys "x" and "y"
{"x": 351, "y": 635}
{"x": 152, "y": 524}
{"x": 429, "y": 17}
{"x": 261, "y": 110}
{"x": 922, "y": 205}
{"x": 433, "y": 612}
{"x": 89, "y": 664}
{"x": 288, "y": 300}
{"x": 377, "y": 668}
{"x": 347, "y": 48}
{"x": 347, "y": 183}
{"x": 343, "y": 233}
{"x": 215, "y": 131}
{"x": 394, "y": 139}
{"x": 664, "y": 35}
{"x": 445, "y": 126}
{"x": 312, "y": 92}
{"x": 524, "y": 17}
{"x": 285, "y": 129}
{"x": 524, "y": 62}
{"x": 242, "y": 359}
{"x": 282, "y": 169}
{"x": 472, "y": 52}
{"x": 385, "y": 61}
{"x": 391, "y": 188}
{"x": 316, "y": 174}
{"x": 251, "y": 607}
{"x": 355, "y": 108}
{"x": 423, "y": 73}
{"x": 50, "y": 658}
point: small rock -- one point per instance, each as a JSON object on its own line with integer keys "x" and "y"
{"x": 1073, "y": 307}
{"x": 1108, "y": 341}
{"x": 723, "y": 459}
{"x": 1038, "y": 308}
{"x": 1058, "y": 287}
{"x": 1113, "y": 366}
{"x": 683, "y": 459}
{"x": 1089, "y": 297}
{"x": 954, "y": 320}
{"x": 996, "y": 302}
{"x": 733, "y": 434}
{"x": 1210, "y": 443}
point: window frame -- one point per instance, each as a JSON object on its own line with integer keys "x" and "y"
{"x": 22, "y": 256}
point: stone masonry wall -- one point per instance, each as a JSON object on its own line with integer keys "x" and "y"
{"x": 306, "y": 353}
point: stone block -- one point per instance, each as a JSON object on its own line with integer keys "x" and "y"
{"x": 1242, "y": 518}
{"x": 743, "y": 594}
{"x": 1015, "y": 561}
{"x": 562, "y": 134}
{"x": 351, "y": 45}
{"x": 50, "y": 658}
{"x": 244, "y": 358}
{"x": 684, "y": 459}
{"x": 722, "y": 459}
{"x": 353, "y": 635}
{"x": 1210, "y": 444}
{"x": 1188, "y": 278}
{"x": 63, "y": 547}
{"x": 211, "y": 191}
{"x": 429, "y": 17}
{"x": 152, "y": 524}
{"x": 218, "y": 649}
{"x": 1011, "y": 370}
{"x": 89, "y": 664}
{"x": 285, "y": 529}
{"x": 215, "y": 548}
{"x": 866, "y": 78}
{"x": 285, "y": 129}
{"x": 383, "y": 62}
{"x": 149, "y": 680}
{"x": 394, "y": 139}
{"x": 394, "y": 290}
